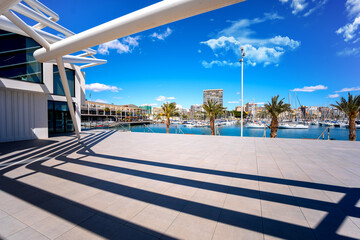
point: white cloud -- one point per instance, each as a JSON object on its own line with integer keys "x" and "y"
{"x": 233, "y": 102}
{"x": 241, "y": 26}
{"x": 349, "y": 52}
{"x": 350, "y": 30}
{"x": 298, "y": 6}
{"x": 99, "y": 87}
{"x": 318, "y": 6}
{"x": 310, "y": 89}
{"x": 162, "y": 36}
{"x": 126, "y": 45}
{"x": 333, "y": 95}
{"x": 237, "y": 93}
{"x": 353, "y": 7}
{"x": 101, "y": 101}
{"x": 160, "y": 98}
{"x": 163, "y": 98}
{"x": 349, "y": 89}
{"x": 219, "y": 63}
{"x": 237, "y": 35}
{"x": 118, "y": 97}
{"x": 149, "y": 104}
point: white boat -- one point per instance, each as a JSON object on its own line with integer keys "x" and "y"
{"x": 255, "y": 125}
{"x": 292, "y": 126}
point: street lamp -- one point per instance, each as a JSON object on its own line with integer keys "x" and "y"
{"x": 242, "y": 89}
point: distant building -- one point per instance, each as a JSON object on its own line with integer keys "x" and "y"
{"x": 95, "y": 111}
{"x": 215, "y": 94}
{"x": 250, "y": 107}
{"x": 147, "y": 108}
{"x": 196, "y": 108}
{"x": 238, "y": 108}
{"x": 156, "y": 110}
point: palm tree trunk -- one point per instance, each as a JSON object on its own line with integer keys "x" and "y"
{"x": 167, "y": 125}
{"x": 212, "y": 125}
{"x": 352, "y": 129}
{"x": 274, "y": 127}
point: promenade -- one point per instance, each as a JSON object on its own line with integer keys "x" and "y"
{"x": 126, "y": 185}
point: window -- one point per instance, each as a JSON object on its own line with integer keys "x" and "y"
{"x": 58, "y": 87}
{"x": 16, "y": 58}
{"x": 59, "y": 118}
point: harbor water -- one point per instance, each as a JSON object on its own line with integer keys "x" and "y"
{"x": 313, "y": 132}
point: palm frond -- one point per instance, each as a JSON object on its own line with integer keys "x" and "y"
{"x": 213, "y": 108}
{"x": 276, "y": 107}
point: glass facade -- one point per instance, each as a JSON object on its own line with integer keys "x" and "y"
{"x": 59, "y": 119}
{"x": 16, "y": 58}
{"x": 58, "y": 87}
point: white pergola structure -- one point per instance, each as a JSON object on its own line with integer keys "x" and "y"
{"x": 57, "y": 49}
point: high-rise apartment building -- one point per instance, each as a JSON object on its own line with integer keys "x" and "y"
{"x": 215, "y": 94}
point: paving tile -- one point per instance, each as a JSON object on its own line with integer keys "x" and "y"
{"x": 28, "y": 234}
{"x": 187, "y": 226}
{"x": 10, "y": 225}
{"x": 54, "y": 226}
{"x": 101, "y": 226}
{"x": 155, "y": 218}
{"x": 194, "y": 187}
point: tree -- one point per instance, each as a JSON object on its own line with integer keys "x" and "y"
{"x": 213, "y": 108}
{"x": 169, "y": 111}
{"x": 351, "y": 108}
{"x": 237, "y": 114}
{"x": 274, "y": 109}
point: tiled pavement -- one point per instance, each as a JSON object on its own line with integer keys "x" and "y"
{"x": 118, "y": 185}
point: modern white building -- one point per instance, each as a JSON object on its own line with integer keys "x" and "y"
{"x": 32, "y": 99}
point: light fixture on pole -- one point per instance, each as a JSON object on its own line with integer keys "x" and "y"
{"x": 242, "y": 90}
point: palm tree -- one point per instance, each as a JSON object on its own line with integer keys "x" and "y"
{"x": 169, "y": 111}
{"x": 351, "y": 108}
{"x": 274, "y": 109}
{"x": 213, "y": 108}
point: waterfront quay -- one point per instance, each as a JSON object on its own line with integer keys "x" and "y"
{"x": 126, "y": 185}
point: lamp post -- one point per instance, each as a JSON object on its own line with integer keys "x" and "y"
{"x": 242, "y": 90}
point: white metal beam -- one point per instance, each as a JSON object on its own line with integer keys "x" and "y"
{"x": 153, "y": 16}
{"x": 7, "y": 25}
{"x": 90, "y": 65}
{"x": 28, "y": 12}
{"x": 5, "y": 5}
{"x": 65, "y": 84}
{"x": 28, "y": 30}
{"x": 38, "y": 5}
{"x": 76, "y": 59}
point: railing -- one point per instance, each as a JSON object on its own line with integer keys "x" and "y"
{"x": 147, "y": 127}
{"x": 123, "y": 128}
{"x": 217, "y": 132}
{"x": 178, "y": 129}
{"x": 323, "y": 134}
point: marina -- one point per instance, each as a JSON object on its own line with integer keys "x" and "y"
{"x": 312, "y": 132}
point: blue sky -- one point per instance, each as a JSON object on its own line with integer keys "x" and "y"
{"x": 312, "y": 47}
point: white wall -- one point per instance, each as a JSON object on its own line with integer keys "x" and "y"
{"x": 23, "y": 105}
{"x": 23, "y": 115}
